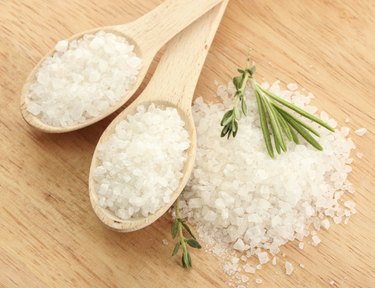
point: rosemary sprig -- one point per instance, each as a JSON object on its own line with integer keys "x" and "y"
{"x": 274, "y": 119}
{"x": 179, "y": 226}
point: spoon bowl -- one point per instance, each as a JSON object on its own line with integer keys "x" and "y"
{"x": 107, "y": 216}
{"x": 172, "y": 85}
{"x": 171, "y": 17}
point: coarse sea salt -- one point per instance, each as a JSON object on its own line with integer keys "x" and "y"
{"x": 361, "y": 131}
{"x": 249, "y": 199}
{"x": 82, "y": 79}
{"x": 140, "y": 165}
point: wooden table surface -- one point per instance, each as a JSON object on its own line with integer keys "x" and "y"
{"x": 50, "y": 237}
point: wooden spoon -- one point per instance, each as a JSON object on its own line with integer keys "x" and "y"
{"x": 148, "y": 34}
{"x": 173, "y": 85}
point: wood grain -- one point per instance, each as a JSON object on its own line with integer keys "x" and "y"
{"x": 50, "y": 237}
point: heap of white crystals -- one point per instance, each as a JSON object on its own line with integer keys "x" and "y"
{"x": 140, "y": 165}
{"x": 82, "y": 79}
{"x": 240, "y": 197}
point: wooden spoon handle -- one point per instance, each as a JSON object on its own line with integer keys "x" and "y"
{"x": 183, "y": 61}
{"x": 156, "y": 28}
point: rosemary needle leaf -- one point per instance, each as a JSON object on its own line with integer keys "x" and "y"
{"x": 226, "y": 116}
{"x": 305, "y": 134}
{"x": 186, "y": 261}
{"x": 294, "y": 134}
{"x": 174, "y": 230}
{"x": 190, "y": 264}
{"x": 274, "y": 123}
{"x": 289, "y": 116}
{"x": 224, "y": 131}
{"x": 297, "y": 109}
{"x": 264, "y": 125}
{"x": 187, "y": 228}
{"x": 284, "y": 126}
{"x": 194, "y": 243}
{"x": 176, "y": 248}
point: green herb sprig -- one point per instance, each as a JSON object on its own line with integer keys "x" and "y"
{"x": 180, "y": 229}
{"x": 274, "y": 119}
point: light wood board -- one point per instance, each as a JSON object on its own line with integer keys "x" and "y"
{"x": 50, "y": 237}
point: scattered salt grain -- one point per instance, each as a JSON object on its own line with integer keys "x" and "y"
{"x": 244, "y": 278}
{"x": 249, "y": 269}
{"x": 82, "y": 79}
{"x": 263, "y": 257}
{"x": 258, "y": 281}
{"x": 128, "y": 185}
{"x": 315, "y": 240}
{"x": 274, "y": 260}
{"x": 243, "y": 258}
{"x": 288, "y": 268}
{"x": 361, "y": 131}
{"x": 302, "y": 265}
{"x": 325, "y": 224}
{"x": 332, "y": 283}
{"x": 359, "y": 155}
{"x": 165, "y": 242}
{"x": 301, "y": 245}
{"x": 239, "y": 245}
{"x": 259, "y": 266}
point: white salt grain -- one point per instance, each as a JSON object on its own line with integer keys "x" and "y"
{"x": 315, "y": 240}
{"x": 249, "y": 269}
{"x": 359, "y": 155}
{"x": 139, "y": 166}
{"x": 288, "y": 268}
{"x": 325, "y": 224}
{"x": 301, "y": 245}
{"x": 82, "y": 79}
{"x": 165, "y": 242}
{"x": 239, "y": 245}
{"x": 332, "y": 283}
{"x": 361, "y": 131}
{"x": 258, "y": 281}
{"x": 302, "y": 265}
{"x": 274, "y": 260}
{"x": 263, "y": 257}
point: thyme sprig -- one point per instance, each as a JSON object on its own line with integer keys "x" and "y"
{"x": 180, "y": 229}
{"x": 275, "y": 121}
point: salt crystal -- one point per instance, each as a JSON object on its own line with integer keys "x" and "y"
{"x": 332, "y": 283}
{"x": 315, "y": 240}
{"x": 61, "y": 46}
{"x": 359, "y": 155}
{"x": 244, "y": 278}
{"x": 263, "y": 257}
{"x": 301, "y": 245}
{"x": 258, "y": 281}
{"x": 249, "y": 269}
{"x": 326, "y": 224}
{"x": 239, "y": 245}
{"x": 361, "y": 131}
{"x": 164, "y": 241}
{"x": 274, "y": 260}
{"x": 302, "y": 266}
{"x": 288, "y": 268}
{"x": 259, "y": 266}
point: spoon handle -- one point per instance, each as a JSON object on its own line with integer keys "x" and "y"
{"x": 157, "y": 27}
{"x": 183, "y": 62}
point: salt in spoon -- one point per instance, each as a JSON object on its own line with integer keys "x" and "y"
{"x": 148, "y": 34}
{"x": 172, "y": 85}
